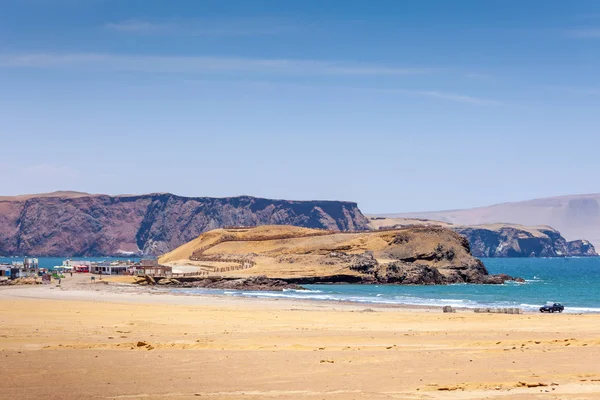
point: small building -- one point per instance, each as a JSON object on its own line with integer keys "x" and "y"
{"x": 109, "y": 269}
{"x": 5, "y": 271}
{"x": 148, "y": 263}
{"x": 73, "y": 263}
{"x": 31, "y": 263}
{"x": 151, "y": 268}
{"x": 29, "y": 267}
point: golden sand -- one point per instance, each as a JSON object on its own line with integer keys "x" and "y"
{"x": 280, "y": 251}
{"x": 59, "y": 344}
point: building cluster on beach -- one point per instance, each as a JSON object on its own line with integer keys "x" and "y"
{"x": 29, "y": 268}
{"x": 142, "y": 267}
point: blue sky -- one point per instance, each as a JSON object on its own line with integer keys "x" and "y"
{"x": 398, "y": 105}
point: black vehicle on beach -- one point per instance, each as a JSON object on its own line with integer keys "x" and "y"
{"x": 552, "y": 307}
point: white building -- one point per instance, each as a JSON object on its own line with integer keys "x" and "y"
{"x": 109, "y": 269}
{"x": 72, "y": 263}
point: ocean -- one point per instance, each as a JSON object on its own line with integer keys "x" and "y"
{"x": 51, "y": 262}
{"x": 574, "y": 282}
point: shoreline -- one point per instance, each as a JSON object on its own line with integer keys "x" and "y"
{"x": 117, "y": 292}
{"x": 113, "y": 341}
{"x": 148, "y": 296}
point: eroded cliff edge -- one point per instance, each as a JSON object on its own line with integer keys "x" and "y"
{"x": 417, "y": 255}
{"x": 501, "y": 239}
{"x": 514, "y": 241}
{"x": 64, "y": 224}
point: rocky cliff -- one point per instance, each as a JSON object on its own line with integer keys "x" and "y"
{"x": 78, "y": 224}
{"x": 501, "y": 240}
{"x": 516, "y": 241}
{"x": 575, "y": 216}
{"x": 581, "y": 248}
{"x": 410, "y": 256}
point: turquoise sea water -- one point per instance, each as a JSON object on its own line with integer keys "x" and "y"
{"x": 50, "y": 262}
{"x": 575, "y": 282}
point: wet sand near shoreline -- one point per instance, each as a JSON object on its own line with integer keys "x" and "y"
{"x": 91, "y": 341}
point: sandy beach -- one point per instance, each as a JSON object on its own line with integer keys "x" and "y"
{"x": 99, "y": 341}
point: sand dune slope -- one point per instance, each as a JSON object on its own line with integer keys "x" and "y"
{"x": 408, "y": 255}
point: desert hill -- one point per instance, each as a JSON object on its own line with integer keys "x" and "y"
{"x": 80, "y": 224}
{"x": 502, "y": 240}
{"x": 575, "y": 216}
{"x": 61, "y": 193}
{"x": 417, "y": 255}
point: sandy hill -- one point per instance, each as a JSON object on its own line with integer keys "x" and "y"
{"x": 576, "y": 216}
{"x": 61, "y": 193}
{"x": 412, "y": 255}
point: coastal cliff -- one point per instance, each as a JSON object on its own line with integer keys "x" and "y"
{"x": 79, "y": 224}
{"x": 415, "y": 256}
{"x": 501, "y": 240}
{"x": 574, "y": 216}
{"x": 517, "y": 241}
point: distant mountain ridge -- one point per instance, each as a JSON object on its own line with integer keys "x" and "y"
{"x": 575, "y": 216}
{"x": 81, "y": 224}
{"x": 502, "y": 240}
{"x": 517, "y": 241}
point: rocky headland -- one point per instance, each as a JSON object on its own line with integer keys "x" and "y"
{"x": 574, "y": 216}
{"x": 409, "y": 256}
{"x": 518, "y": 241}
{"x": 502, "y": 240}
{"x": 78, "y": 224}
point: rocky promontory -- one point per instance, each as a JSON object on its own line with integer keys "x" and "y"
{"x": 518, "y": 241}
{"x": 66, "y": 224}
{"x": 410, "y": 256}
{"x": 502, "y": 240}
{"x": 581, "y": 248}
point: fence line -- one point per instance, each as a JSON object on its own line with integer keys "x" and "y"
{"x": 245, "y": 262}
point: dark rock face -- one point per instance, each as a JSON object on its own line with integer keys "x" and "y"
{"x": 364, "y": 263}
{"x": 416, "y": 272}
{"x": 409, "y": 274}
{"x": 99, "y": 225}
{"x": 581, "y": 248}
{"x": 513, "y": 242}
{"x": 251, "y": 283}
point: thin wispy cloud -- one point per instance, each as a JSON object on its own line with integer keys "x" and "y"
{"x": 475, "y": 75}
{"x": 191, "y": 64}
{"x": 588, "y": 33}
{"x": 435, "y": 94}
{"x": 590, "y": 90}
{"x": 459, "y": 98}
{"x": 135, "y": 26}
{"x": 201, "y": 65}
{"x": 589, "y": 16}
{"x": 229, "y": 27}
